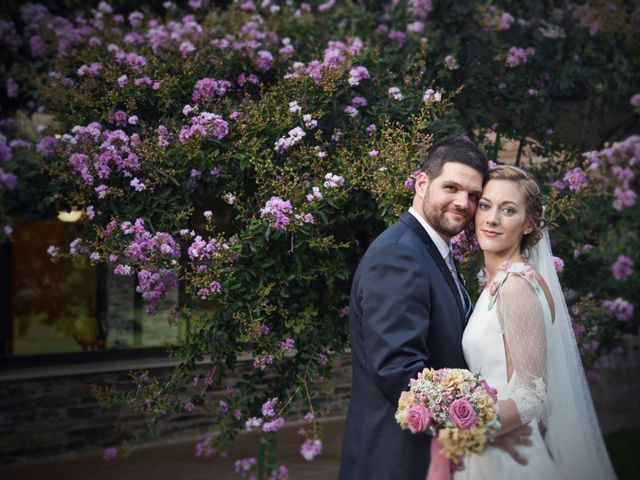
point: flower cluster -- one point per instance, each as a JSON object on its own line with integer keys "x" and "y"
{"x": 611, "y": 167}
{"x": 495, "y": 20}
{"x": 278, "y": 212}
{"x": 619, "y": 308}
{"x": 517, "y": 56}
{"x": 204, "y": 125}
{"x": 208, "y": 88}
{"x": 454, "y": 406}
{"x": 94, "y": 152}
{"x": 293, "y": 137}
{"x": 622, "y": 268}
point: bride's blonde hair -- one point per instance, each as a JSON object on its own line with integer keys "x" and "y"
{"x": 533, "y": 198}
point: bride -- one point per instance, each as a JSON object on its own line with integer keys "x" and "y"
{"x": 520, "y": 339}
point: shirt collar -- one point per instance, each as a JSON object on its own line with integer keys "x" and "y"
{"x": 441, "y": 245}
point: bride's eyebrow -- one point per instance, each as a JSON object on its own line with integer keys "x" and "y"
{"x": 502, "y": 204}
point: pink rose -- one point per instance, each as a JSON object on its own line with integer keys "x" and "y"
{"x": 462, "y": 413}
{"x": 492, "y": 392}
{"x": 419, "y": 418}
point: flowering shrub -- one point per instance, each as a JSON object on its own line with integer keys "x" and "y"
{"x": 249, "y": 155}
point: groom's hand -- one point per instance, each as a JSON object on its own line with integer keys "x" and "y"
{"x": 508, "y": 442}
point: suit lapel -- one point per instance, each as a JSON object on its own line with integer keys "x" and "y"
{"x": 414, "y": 224}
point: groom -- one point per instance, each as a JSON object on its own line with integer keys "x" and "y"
{"x": 408, "y": 309}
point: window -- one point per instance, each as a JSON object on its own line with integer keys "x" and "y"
{"x": 58, "y": 308}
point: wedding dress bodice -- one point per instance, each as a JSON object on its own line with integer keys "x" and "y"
{"x": 512, "y": 312}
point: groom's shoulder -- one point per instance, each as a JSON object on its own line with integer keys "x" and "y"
{"x": 398, "y": 236}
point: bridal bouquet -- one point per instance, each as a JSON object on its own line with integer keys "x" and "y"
{"x": 453, "y": 405}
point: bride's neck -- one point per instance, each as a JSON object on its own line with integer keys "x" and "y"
{"x": 493, "y": 260}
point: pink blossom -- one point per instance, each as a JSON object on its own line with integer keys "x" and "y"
{"x": 492, "y": 392}
{"x": 359, "y": 102}
{"x": 251, "y": 423}
{"x": 357, "y": 74}
{"x": 124, "y": 270}
{"x": 287, "y": 345}
{"x": 419, "y": 418}
{"x": 409, "y": 183}
{"x": 462, "y": 414}
{"x": 625, "y": 198}
{"x": 558, "y": 264}
{"x": 245, "y": 465}
{"x": 395, "y": 36}
{"x": 204, "y": 449}
{"x": 431, "y": 96}
{"x": 623, "y": 268}
{"x": 261, "y": 362}
{"x": 635, "y": 100}
{"x": 451, "y": 63}
{"x": 576, "y": 179}
{"x": 102, "y": 191}
{"x": 268, "y": 408}
{"x": 333, "y": 181}
{"x": 326, "y": 6}
{"x": 310, "y": 449}
{"x": 620, "y": 308}
{"x": 110, "y": 453}
{"x": 351, "y": 111}
{"x": 186, "y": 48}
{"x": 137, "y": 185}
{"x": 518, "y": 56}
{"x": 277, "y": 211}
{"x": 265, "y": 60}
{"x": 8, "y": 180}
{"x": 273, "y": 425}
{"x": 314, "y": 195}
{"x": 323, "y": 358}
{"x": 415, "y": 27}
{"x": 394, "y": 92}
{"x": 208, "y": 88}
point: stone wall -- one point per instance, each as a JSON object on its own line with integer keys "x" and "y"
{"x": 58, "y": 416}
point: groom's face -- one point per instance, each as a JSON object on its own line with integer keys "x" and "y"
{"x": 449, "y": 201}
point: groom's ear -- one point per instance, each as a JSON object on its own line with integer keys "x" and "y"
{"x": 421, "y": 184}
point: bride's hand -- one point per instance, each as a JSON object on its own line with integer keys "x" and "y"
{"x": 509, "y": 440}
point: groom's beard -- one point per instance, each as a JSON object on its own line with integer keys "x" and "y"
{"x": 442, "y": 224}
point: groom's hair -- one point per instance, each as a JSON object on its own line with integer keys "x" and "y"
{"x": 454, "y": 148}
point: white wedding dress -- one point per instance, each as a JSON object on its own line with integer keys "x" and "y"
{"x": 512, "y": 314}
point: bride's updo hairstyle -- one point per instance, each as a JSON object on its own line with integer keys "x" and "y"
{"x": 533, "y": 198}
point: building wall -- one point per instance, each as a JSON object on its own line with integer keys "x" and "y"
{"x": 58, "y": 416}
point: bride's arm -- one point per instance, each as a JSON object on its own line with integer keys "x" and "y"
{"x": 523, "y": 327}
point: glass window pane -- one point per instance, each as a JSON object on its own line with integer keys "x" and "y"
{"x": 63, "y": 308}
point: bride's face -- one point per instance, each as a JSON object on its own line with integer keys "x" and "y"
{"x": 501, "y": 217}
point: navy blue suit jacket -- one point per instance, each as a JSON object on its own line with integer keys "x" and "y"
{"x": 405, "y": 314}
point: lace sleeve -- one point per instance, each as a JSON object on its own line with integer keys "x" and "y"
{"x": 523, "y": 326}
